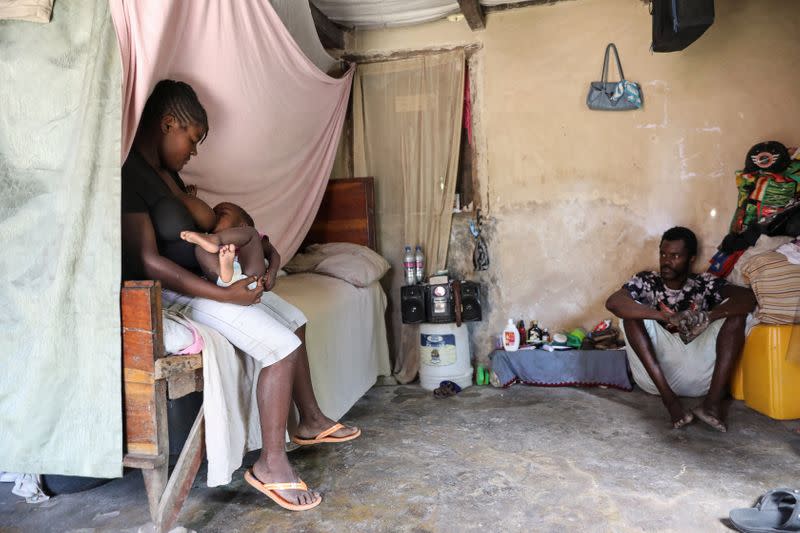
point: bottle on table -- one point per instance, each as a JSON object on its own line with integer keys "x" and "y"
{"x": 511, "y": 337}
{"x": 534, "y": 334}
{"x": 409, "y": 267}
{"x": 523, "y": 334}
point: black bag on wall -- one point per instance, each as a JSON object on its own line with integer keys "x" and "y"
{"x": 679, "y": 23}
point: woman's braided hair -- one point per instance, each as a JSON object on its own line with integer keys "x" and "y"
{"x": 170, "y": 97}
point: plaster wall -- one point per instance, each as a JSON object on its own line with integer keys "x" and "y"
{"x": 577, "y": 199}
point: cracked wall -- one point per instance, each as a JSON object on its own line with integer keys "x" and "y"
{"x": 576, "y": 200}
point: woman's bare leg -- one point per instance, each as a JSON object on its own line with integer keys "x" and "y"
{"x": 273, "y": 394}
{"x": 312, "y": 420}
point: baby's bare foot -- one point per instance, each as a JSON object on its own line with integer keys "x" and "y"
{"x": 227, "y": 253}
{"x": 203, "y": 240}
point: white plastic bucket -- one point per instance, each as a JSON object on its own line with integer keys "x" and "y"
{"x": 444, "y": 354}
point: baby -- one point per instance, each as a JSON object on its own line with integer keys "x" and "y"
{"x": 233, "y": 250}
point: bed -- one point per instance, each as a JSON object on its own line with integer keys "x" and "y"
{"x": 345, "y": 338}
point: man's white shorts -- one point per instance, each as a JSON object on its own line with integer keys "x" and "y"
{"x": 687, "y": 367}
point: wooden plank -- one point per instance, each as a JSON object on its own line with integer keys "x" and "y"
{"x": 526, "y": 3}
{"x": 173, "y": 365}
{"x": 473, "y": 12}
{"x": 382, "y": 57}
{"x": 132, "y": 375}
{"x": 138, "y": 349}
{"x": 137, "y": 308}
{"x": 331, "y": 35}
{"x": 141, "y": 425}
{"x": 180, "y": 482}
{"x": 135, "y": 460}
{"x": 180, "y": 385}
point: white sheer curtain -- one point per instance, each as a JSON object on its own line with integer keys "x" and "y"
{"x": 407, "y": 128}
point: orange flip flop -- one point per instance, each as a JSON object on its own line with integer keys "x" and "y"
{"x": 270, "y": 488}
{"x": 325, "y": 436}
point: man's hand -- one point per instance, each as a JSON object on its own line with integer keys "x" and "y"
{"x": 238, "y": 293}
{"x": 690, "y": 324}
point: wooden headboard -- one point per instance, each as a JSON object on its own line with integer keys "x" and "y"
{"x": 346, "y": 214}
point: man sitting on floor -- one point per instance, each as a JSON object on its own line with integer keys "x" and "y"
{"x": 684, "y": 331}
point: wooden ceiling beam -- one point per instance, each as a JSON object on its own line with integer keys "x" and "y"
{"x": 331, "y": 35}
{"x": 526, "y": 3}
{"x": 473, "y": 12}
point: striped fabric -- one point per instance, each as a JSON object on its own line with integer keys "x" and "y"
{"x": 776, "y": 284}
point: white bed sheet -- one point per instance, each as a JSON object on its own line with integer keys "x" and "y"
{"x": 345, "y": 336}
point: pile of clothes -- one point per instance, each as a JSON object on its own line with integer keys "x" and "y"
{"x": 768, "y": 202}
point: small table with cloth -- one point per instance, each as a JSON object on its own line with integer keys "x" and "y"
{"x": 563, "y": 368}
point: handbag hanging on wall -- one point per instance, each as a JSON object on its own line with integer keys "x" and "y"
{"x": 607, "y": 95}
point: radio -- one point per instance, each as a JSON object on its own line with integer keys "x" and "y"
{"x": 440, "y": 303}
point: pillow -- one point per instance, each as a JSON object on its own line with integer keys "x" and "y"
{"x": 304, "y": 262}
{"x": 177, "y": 336}
{"x": 358, "y": 270}
{"x": 763, "y": 244}
{"x": 353, "y": 263}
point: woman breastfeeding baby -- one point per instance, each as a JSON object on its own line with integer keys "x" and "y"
{"x": 164, "y": 237}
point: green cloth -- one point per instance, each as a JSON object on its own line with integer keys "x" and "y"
{"x": 60, "y": 383}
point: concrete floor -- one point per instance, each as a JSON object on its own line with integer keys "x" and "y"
{"x": 520, "y": 459}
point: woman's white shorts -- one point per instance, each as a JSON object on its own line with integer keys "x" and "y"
{"x": 264, "y": 331}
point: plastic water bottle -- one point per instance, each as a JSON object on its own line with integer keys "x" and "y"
{"x": 409, "y": 267}
{"x": 419, "y": 263}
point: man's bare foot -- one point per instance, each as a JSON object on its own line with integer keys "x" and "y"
{"x": 278, "y": 470}
{"x": 227, "y": 254}
{"x": 711, "y": 417}
{"x": 202, "y": 240}
{"x": 678, "y": 415}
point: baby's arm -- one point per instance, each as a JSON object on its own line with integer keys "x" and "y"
{"x": 201, "y": 212}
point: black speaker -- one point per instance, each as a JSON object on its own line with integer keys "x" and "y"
{"x": 412, "y": 304}
{"x": 470, "y": 301}
{"x": 678, "y": 23}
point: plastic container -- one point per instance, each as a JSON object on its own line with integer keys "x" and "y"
{"x": 419, "y": 264}
{"x": 511, "y": 337}
{"x": 737, "y": 380}
{"x": 444, "y": 355}
{"x": 409, "y": 267}
{"x": 770, "y": 383}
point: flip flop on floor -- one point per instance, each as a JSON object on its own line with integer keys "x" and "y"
{"x": 777, "y": 511}
{"x": 270, "y": 490}
{"x": 327, "y": 436}
{"x": 446, "y": 389}
{"x": 711, "y": 420}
